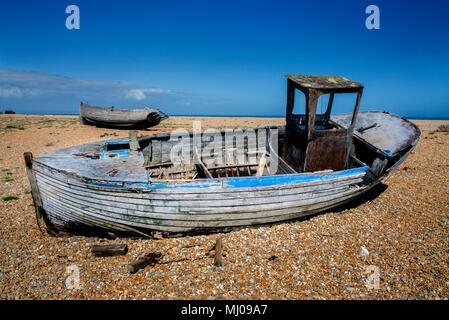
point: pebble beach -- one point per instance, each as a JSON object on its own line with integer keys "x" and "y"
{"x": 393, "y": 243}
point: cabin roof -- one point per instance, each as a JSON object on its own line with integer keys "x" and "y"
{"x": 305, "y": 81}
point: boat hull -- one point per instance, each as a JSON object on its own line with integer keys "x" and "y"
{"x": 73, "y": 204}
{"x": 120, "y": 118}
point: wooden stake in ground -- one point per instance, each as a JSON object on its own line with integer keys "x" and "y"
{"x": 133, "y": 141}
{"x": 109, "y": 250}
{"x": 218, "y": 253}
{"x": 150, "y": 259}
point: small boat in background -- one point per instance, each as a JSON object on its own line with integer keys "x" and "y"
{"x": 120, "y": 118}
{"x": 223, "y": 180}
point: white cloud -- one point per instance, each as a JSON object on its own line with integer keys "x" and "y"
{"x": 139, "y": 94}
{"x": 15, "y": 92}
{"x": 10, "y": 92}
{"x": 23, "y": 84}
{"x": 36, "y": 92}
{"x": 136, "y": 94}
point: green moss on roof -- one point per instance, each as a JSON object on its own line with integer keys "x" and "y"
{"x": 323, "y": 81}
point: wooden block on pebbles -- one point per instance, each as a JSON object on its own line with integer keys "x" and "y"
{"x": 218, "y": 262}
{"x": 150, "y": 259}
{"x": 109, "y": 250}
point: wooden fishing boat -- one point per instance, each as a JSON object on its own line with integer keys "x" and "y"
{"x": 120, "y": 118}
{"x": 216, "y": 181}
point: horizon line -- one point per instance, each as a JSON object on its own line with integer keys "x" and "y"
{"x": 220, "y": 116}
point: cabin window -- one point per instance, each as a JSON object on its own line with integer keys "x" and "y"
{"x": 322, "y": 112}
{"x": 340, "y": 103}
{"x": 299, "y": 107}
{"x": 344, "y": 103}
{"x": 322, "y": 104}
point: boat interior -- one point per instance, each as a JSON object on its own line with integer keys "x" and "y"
{"x": 308, "y": 143}
{"x": 228, "y": 153}
{"x": 236, "y": 153}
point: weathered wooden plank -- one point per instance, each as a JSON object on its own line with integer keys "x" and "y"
{"x": 133, "y": 144}
{"x": 232, "y": 142}
{"x": 218, "y": 255}
{"x": 33, "y": 183}
{"x": 36, "y": 194}
{"x": 109, "y": 250}
{"x": 201, "y": 165}
{"x": 240, "y": 157}
{"x": 255, "y": 198}
{"x": 221, "y": 225}
{"x": 196, "y": 186}
{"x": 278, "y": 195}
{"x": 136, "y": 215}
{"x": 261, "y": 166}
{"x": 66, "y": 214}
{"x": 149, "y": 259}
{"x": 72, "y": 214}
{"x": 175, "y": 205}
{"x": 190, "y": 213}
{"x": 156, "y": 153}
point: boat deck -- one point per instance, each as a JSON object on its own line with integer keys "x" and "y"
{"x": 385, "y": 131}
{"x": 92, "y": 161}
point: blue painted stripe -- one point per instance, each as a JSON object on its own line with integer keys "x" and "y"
{"x": 243, "y": 182}
{"x": 122, "y": 141}
{"x": 236, "y": 182}
{"x": 388, "y": 153}
{"x": 287, "y": 179}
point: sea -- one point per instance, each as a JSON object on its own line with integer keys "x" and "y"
{"x": 236, "y": 116}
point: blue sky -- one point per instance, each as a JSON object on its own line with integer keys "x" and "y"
{"x": 220, "y": 57}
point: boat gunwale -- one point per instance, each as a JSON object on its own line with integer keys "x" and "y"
{"x": 212, "y": 182}
{"x": 125, "y": 110}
